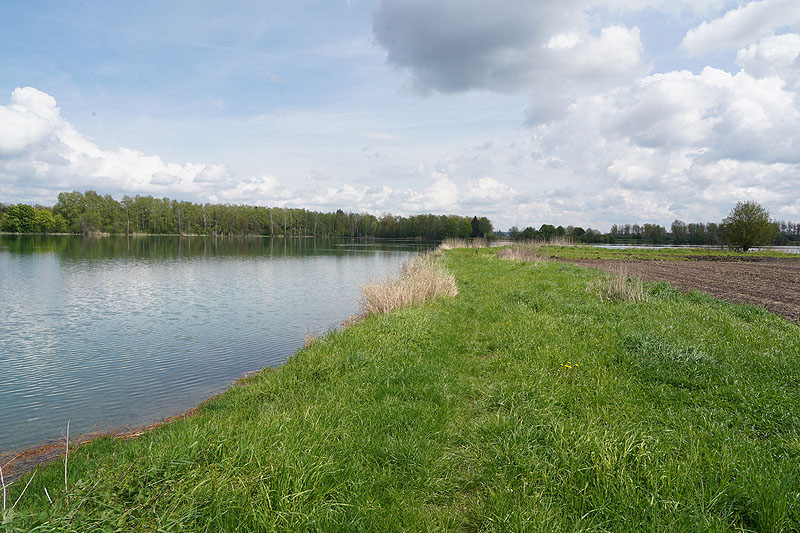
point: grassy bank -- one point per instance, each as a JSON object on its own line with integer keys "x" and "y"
{"x": 524, "y": 403}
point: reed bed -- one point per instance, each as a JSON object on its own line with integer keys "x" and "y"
{"x": 561, "y": 240}
{"x": 522, "y": 253}
{"x": 451, "y": 244}
{"x": 423, "y": 277}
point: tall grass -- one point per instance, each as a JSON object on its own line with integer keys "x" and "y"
{"x": 521, "y": 252}
{"x": 451, "y": 243}
{"x": 558, "y": 240}
{"x": 421, "y": 278}
{"x": 618, "y": 285}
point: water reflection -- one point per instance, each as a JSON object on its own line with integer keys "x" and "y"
{"x": 119, "y": 331}
{"x": 83, "y": 248}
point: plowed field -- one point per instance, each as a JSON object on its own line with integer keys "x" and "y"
{"x": 772, "y": 283}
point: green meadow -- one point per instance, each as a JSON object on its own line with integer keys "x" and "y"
{"x": 525, "y": 403}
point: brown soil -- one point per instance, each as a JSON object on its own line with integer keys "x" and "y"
{"x": 773, "y": 283}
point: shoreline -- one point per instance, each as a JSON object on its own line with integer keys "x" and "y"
{"x": 16, "y": 463}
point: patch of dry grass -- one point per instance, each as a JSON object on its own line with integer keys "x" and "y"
{"x": 451, "y": 243}
{"x": 521, "y": 252}
{"x": 619, "y": 286}
{"x": 311, "y": 339}
{"x": 558, "y": 240}
{"x": 421, "y": 278}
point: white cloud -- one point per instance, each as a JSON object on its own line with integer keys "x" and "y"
{"x": 679, "y": 145}
{"x": 741, "y": 26}
{"x": 776, "y": 56}
{"x": 42, "y": 152}
{"x": 442, "y": 195}
{"x": 487, "y": 191}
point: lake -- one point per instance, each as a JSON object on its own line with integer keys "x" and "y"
{"x": 121, "y": 331}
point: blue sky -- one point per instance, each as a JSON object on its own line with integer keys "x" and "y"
{"x": 581, "y": 112}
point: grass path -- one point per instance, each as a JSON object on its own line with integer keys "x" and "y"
{"x": 679, "y": 413}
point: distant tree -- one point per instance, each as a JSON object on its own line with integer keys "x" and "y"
{"x": 485, "y": 228}
{"x": 591, "y": 235}
{"x": 547, "y": 231}
{"x": 464, "y": 228}
{"x": 747, "y": 225}
{"x": 654, "y": 234}
{"x": 476, "y": 227}
{"x": 514, "y": 232}
{"x": 528, "y": 234}
{"x": 44, "y": 221}
{"x": 19, "y": 218}
{"x": 679, "y": 232}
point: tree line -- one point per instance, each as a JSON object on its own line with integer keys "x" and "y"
{"x": 89, "y": 212}
{"x": 694, "y": 233}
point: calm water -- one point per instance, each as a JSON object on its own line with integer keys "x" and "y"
{"x": 119, "y": 331}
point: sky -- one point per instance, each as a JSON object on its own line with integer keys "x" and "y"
{"x": 570, "y": 112}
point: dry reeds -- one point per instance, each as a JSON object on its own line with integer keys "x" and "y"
{"x": 479, "y": 242}
{"x": 619, "y": 286}
{"x": 561, "y": 240}
{"x": 451, "y": 243}
{"x": 557, "y": 240}
{"x": 520, "y": 252}
{"x": 310, "y": 339}
{"x": 421, "y": 278}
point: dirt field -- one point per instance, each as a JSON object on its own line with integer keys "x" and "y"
{"x": 772, "y": 283}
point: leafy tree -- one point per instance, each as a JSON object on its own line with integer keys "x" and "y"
{"x": 547, "y": 231}
{"x": 465, "y": 228}
{"x": 19, "y": 218}
{"x": 654, "y": 234}
{"x": 679, "y": 232}
{"x": 476, "y": 228}
{"x": 485, "y": 227}
{"x": 528, "y": 234}
{"x": 747, "y": 225}
{"x": 44, "y": 221}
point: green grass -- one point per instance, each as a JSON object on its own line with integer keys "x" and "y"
{"x": 457, "y": 415}
{"x": 664, "y": 254}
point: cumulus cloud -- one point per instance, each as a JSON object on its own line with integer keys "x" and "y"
{"x": 42, "y": 152}
{"x": 741, "y": 26}
{"x": 546, "y": 47}
{"x": 776, "y": 56}
{"x": 486, "y": 196}
{"x": 684, "y": 145}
